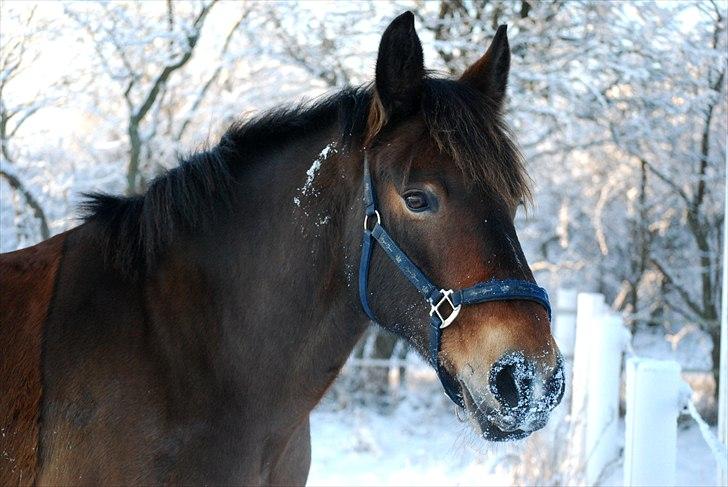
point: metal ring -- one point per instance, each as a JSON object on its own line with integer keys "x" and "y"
{"x": 366, "y": 218}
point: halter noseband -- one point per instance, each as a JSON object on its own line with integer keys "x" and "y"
{"x": 482, "y": 292}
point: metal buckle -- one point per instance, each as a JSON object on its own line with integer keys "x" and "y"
{"x": 435, "y": 308}
{"x": 366, "y": 218}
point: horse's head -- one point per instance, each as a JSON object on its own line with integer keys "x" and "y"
{"x": 448, "y": 181}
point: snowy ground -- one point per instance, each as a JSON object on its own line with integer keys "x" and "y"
{"x": 431, "y": 447}
{"x": 422, "y": 442}
{"x": 413, "y": 445}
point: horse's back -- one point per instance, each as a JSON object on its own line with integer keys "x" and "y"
{"x": 27, "y": 280}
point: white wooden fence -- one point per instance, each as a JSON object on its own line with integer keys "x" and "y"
{"x": 595, "y": 344}
{"x": 650, "y": 446}
{"x": 593, "y": 340}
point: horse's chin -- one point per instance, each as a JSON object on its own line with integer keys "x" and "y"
{"x": 492, "y": 427}
{"x": 491, "y": 432}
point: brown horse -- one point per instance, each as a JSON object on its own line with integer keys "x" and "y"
{"x": 184, "y": 335}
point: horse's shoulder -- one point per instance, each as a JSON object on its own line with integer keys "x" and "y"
{"x": 27, "y": 279}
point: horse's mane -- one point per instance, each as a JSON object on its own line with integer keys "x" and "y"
{"x": 136, "y": 230}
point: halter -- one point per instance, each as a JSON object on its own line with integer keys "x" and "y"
{"x": 438, "y": 298}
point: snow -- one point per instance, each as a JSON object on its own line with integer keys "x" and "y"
{"x": 315, "y": 166}
{"x": 429, "y": 446}
{"x": 413, "y": 445}
{"x": 695, "y": 465}
{"x": 421, "y": 441}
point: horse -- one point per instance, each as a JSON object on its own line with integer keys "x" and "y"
{"x": 185, "y": 334}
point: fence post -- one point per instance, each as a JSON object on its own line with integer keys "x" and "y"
{"x": 588, "y": 306}
{"x": 608, "y": 338}
{"x": 565, "y": 334}
{"x": 565, "y": 322}
{"x": 650, "y": 447}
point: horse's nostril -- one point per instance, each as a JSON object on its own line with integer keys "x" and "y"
{"x": 505, "y": 387}
{"x": 511, "y": 380}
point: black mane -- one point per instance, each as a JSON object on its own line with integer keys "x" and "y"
{"x": 136, "y": 230}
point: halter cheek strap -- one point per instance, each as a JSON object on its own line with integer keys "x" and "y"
{"x": 445, "y": 304}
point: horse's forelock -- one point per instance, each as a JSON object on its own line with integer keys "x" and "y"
{"x": 467, "y": 127}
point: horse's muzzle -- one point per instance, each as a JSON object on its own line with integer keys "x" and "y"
{"x": 518, "y": 399}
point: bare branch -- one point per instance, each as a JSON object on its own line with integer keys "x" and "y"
{"x": 32, "y": 202}
{"x": 294, "y": 51}
{"x": 211, "y": 80}
{"x": 672, "y": 283}
{"x": 662, "y": 177}
{"x": 171, "y": 68}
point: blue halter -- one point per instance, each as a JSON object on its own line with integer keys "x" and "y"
{"x": 436, "y": 297}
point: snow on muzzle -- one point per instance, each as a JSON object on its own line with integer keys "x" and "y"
{"x": 518, "y": 400}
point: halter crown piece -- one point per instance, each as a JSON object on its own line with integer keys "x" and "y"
{"x": 439, "y": 299}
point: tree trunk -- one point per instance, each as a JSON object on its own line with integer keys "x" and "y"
{"x": 383, "y": 347}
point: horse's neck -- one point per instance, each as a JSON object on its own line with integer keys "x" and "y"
{"x": 265, "y": 303}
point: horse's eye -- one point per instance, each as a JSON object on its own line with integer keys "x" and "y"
{"x": 416, "y": 200}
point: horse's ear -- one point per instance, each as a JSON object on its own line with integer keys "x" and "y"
{"x": 489, "y": 74}
{"x": 400, "y": 68}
